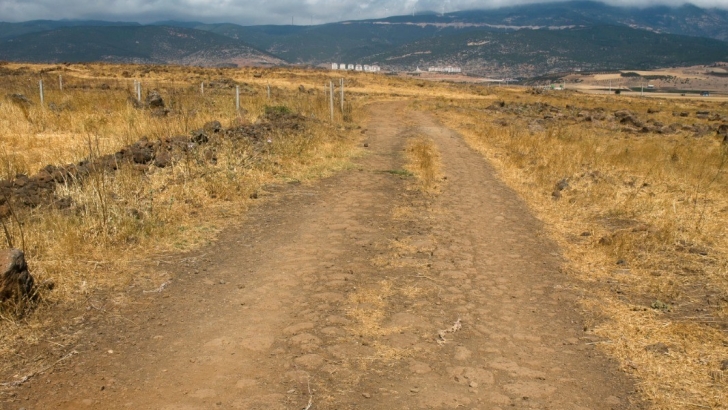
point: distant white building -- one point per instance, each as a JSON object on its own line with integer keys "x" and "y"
{"x": 358, "y": 67}
{"x": 448, "y": 69}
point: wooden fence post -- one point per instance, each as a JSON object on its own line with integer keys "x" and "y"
{"x": 331, "y": 99}
{"x": 237, "y": 98}
{"x": 342, "y": 95}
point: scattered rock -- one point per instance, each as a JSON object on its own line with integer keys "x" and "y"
{"x": 212, "y": 127}
{"x": 668, "y": 129}
{"x": 142, "y": 152}
{"x": 366, "y": 395}
{"x": 33, "y": 191}
{"x": 723, "y": 130}
{"x": 154, "y": 99}
{"x": 724, "y": 365}
{"x": 159, "y": 112}
{"x": 623, "y": 113}
{"x": 629, "y": 118}
{"x": 606, "y": 240}
{"x": 20, "y": 99}
{"x": 17, "y": 283}
{"x": 163, "y": 159}
{"x": 660, "y": 305}
{"x": 199, "y": 137}
{"x": 658, "y": 348}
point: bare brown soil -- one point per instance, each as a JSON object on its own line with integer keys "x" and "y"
{"x": 355, "y": 292}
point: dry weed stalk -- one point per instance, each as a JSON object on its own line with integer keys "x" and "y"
{"x": 423, "y": 160}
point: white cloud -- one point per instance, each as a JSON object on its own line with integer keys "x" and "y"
{"x": 264, "y": 11}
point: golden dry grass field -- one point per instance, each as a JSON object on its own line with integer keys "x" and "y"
{"x": 121, "y": 217}
{"x": 676, "y": 82}
{"x": 640, "y": 216}
{"x": 637, "y": 201}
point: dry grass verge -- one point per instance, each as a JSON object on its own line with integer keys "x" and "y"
{"x": 640, "y": 214}
{"x": 423, "y": 160}
{"x": 120, "y": 218}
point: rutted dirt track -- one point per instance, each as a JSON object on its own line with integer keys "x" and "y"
{"x": 355, "y": 292}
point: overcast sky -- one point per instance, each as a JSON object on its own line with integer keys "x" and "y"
{"x": 261, "y": 11}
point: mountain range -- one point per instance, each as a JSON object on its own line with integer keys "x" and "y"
{"x": 133, "y": 44}
{"x": 518, "y": 41}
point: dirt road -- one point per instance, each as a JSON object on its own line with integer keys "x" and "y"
{"x": 354, "y": 292}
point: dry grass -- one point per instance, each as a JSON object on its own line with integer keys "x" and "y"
{"x": 641, "y": 219}
{"x": 120, "y": 219}
{"x": 423, "y": 160}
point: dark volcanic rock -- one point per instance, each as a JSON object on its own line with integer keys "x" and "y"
{"x": 723, "y": 129}
{"x": 629, "y": 118}
{"x": 199, "y": 137}
{"x": 163, "y": 159}
{"x": 25, "y": 191}
{"x": 16, "y": 283}
{"x": 212, "y": 127}
{"x": 154, "y": 100}
{"x": 20, "y": 99}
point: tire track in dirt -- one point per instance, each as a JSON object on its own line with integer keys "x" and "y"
{"x": 334, "y": 296}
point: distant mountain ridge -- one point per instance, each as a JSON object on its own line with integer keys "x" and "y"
{"x": 10, "y": 30}
{"x": 133, "y": 44}
{"x": 527, "y": 53}
{"x": 519, "y": 40}
{"x": 365, "y": 39}
{"x": 687, "y": 19}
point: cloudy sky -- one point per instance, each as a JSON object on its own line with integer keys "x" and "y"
{"x": 261, "y": 11}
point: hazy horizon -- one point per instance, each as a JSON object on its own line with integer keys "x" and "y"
{"x": 271, "y": 11}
